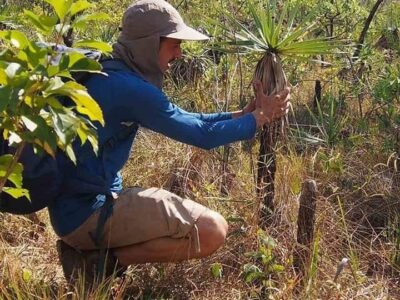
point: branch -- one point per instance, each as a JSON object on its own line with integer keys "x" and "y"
{"x": 12, "y": 165}
{"x": 365, "y": 29}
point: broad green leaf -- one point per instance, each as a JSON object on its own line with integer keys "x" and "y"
{"x": 29, "y": 124}
{"x": 5, "y": 161}
{"x": 34, "y": 55}
{"x": 65, "y": 74}
{"x": 93, "y": 140}
{"x": 79, "y": 6}
{"x": 55, "y": 83}
{"x": 93, "y": 44}
{"x": 23, "y": 56}
{"x": 54, "y": 103}
{"x": 216, "y": 270}
{"x": 7, "y": 55}
{"x": 46, "y": 147}
{"x": 65, "y": 125}
{"x": 85, "y": 103}
{"x": 82, "y": 135}
{"x": 61, "y": 7}
{"x": 251, "y": 273}
{"x": 6, "y": 93}
{"x": 64, "y": 62}
{"x": 15, "y": 37}
{"x": 79, "y": 62}
{"x": 14, "y": 138}
{"x": 17, "y": 192}
{"x": 16, "y": 175}
{"x": 13, "y": 69}
{"x": 44, "y": 23}
{"x": 70, "y": 153}
{"x": 53, "y": 70}
{"x": 3, "y": 77}
{"x": 88, "y": 132}
{"x": 82, "y": 21}
{"x": 44, "y": 135}
{"x": 62, "y": 28}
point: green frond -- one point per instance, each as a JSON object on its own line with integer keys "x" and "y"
{"x": 275, "y": 30}
{"x": 278, "y": 29}
{"x": 264, "y": 24}
{"x": 245, "y": 32}
{"x": 291, "y": 15}
{"x": 297, "y": 34}
{"x": 259, "y": 23}
{"x": 310, "y": 47}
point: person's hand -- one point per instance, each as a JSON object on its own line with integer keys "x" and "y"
{"x": 250, "y": 106}
{"x": 270, "y": 108}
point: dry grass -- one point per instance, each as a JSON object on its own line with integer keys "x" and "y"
{"x": 29, "y": 264}
{"x": 357, "y": 204}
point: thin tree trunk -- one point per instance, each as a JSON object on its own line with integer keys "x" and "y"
{"x": 270, "y": 72}
{"x": 266, "y": 170}
{"x": 226, "y": 148}
{"x": 225, "y": 171}
{"x": 365, "y": 29}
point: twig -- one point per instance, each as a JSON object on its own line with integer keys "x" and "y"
{"x": 12, "y": 165}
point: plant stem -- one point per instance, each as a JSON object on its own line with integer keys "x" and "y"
{"x": 365, "y": 29}
{"x": 269, "y": 71}
{"x": 12, "y": 165}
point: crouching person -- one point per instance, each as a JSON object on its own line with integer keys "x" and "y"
{"x": 104, "y": 227}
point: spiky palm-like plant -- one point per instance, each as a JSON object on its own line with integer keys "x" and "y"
{"x": 275, "y": 34}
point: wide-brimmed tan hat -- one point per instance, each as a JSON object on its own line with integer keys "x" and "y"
{"x": 149, "y": 17}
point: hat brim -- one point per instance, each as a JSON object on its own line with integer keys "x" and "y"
{"x": 187, "y": 33}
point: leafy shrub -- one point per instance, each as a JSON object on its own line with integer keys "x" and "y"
{"x": 34, "y": 80}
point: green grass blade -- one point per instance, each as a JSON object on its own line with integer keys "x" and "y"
{"x": 260, "y": 23}
{"x": 298, "y": 33}
{"x": 278, "y": 28}
{"x": 241, "y": 43}
{"x": 292, "y": 13}
{"x": 243, "y": 35}
{"x": 273, "y": 16}
{"x": 246, "y": 32}
{"x": 309, "y": 47}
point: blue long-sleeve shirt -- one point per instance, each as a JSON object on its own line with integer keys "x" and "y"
{"x": 126, "y": 98}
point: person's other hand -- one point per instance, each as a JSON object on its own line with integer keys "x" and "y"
{"x": 270, "y": 108}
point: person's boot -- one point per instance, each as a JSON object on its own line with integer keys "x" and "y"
{"x": 86, "y": 264}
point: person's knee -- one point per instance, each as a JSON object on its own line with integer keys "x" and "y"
{"x": 213, "y": 229}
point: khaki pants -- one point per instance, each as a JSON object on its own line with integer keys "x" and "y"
{"x": 141, "y": 215}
